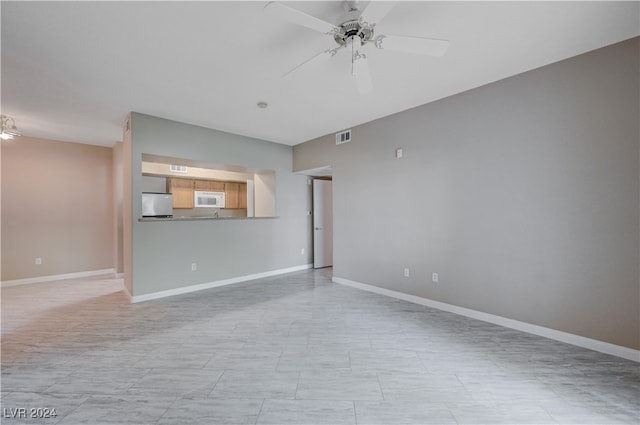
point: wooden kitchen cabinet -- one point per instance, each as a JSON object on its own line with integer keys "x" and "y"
{"x": 242, "y": 195}
{"x": 231, "y": 191}
{"x": 209, "y": 185}
{"x": 182, "y": 190}
{"x": 235, "y": 195}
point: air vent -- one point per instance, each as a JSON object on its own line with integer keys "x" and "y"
{"x": 343, "y": 137}
{"x": 177, "y": 168}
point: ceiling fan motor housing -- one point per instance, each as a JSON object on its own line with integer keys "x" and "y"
{"x": 353, "y": 28}
{"x": 355, "y": 31}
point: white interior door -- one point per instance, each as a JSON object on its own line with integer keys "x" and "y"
{"x": 322, "y": 223}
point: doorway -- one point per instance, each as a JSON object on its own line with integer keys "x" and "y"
{"x": 322, "y": 223}
{"x": 321, "y": 211}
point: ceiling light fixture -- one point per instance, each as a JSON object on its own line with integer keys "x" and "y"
{"x": 262, "y": 105}
{"x": 356, "y": 31}
{"x": 9, "y": 129}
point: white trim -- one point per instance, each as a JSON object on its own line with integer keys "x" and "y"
{"x": 126, "y": 291}
{"x": 325, "y": 171}
{"x": 55, "y": 277}
{"x": 215, "y": 284}
{"x": 580, "y": 341}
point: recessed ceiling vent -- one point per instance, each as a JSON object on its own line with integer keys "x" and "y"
{"x": 343, "y": 137}
{"x": 177, "y": 168}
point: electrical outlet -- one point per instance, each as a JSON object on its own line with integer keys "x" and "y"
{"x": 302, "y": 251}
{"x": 406, "y": 272}
{"x": 399, "y": 153}
{"x": 194, "y": 267}
{"x": 38, "y": 261}
{"x": 434, "y": 277}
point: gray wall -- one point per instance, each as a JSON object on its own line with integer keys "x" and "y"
{"x": 162, "y": 252}
{"x": 523, "y": 195}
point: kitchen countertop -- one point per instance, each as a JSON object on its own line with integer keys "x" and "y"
{"x": 145, "y": 219}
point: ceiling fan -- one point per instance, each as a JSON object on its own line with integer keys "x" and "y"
{"x": 354, "y": 33}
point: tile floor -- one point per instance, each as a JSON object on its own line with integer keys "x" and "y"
{"x": 293, "y": 349}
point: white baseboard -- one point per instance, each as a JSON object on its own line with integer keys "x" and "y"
{"x": 54, "y": 277}
{"x": 215, "y": 284}
{"x": 126, "y": 291}
{"x": 580, "y": 341}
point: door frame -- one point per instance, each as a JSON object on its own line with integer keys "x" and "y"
{"x": 322, "y": 217}
{"x": 324, "y": 172}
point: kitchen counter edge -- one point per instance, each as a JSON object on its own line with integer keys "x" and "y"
{"x": 151, "y": 219}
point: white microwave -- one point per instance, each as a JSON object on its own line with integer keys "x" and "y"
{"x": 208, "y": 199}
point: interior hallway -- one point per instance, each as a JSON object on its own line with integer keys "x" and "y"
{"x": 291, "y": 349}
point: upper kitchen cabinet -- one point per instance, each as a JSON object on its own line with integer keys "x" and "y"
{"x": 235, "y": 195}
{"x": 209, "y": 185}
{"x": 231, "y": 191}
{"x": 242, "y": 195}
{"x": 182, "y": 190}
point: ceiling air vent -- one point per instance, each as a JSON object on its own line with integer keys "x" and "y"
{"x": 343, "y": 137}
{"x": 177, "y": 168}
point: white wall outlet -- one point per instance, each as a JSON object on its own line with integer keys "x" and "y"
{"x": 194, "y": 267}
{"x": 399, "y": 153}
{"x": 38, "y": 261}
{"x": 406, "y": 272}
{"x": 434, "y": 277}
{"x": 302, "y": 251}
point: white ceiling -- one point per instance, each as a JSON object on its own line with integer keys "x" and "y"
{"x": 73, "y": 70}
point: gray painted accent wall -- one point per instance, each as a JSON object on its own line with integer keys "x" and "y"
{"x": 523, "y": 195}
{"x": 162, "y": 252}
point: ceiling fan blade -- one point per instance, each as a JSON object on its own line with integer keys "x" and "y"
{"x": 298, "y": 17}
{"x": 415, "y": 45}
{"x": 315, "y": 58}
{"x": 376, "y": 11}
{"x": 360, "y": 66}
{"x": 362, "y": 75}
